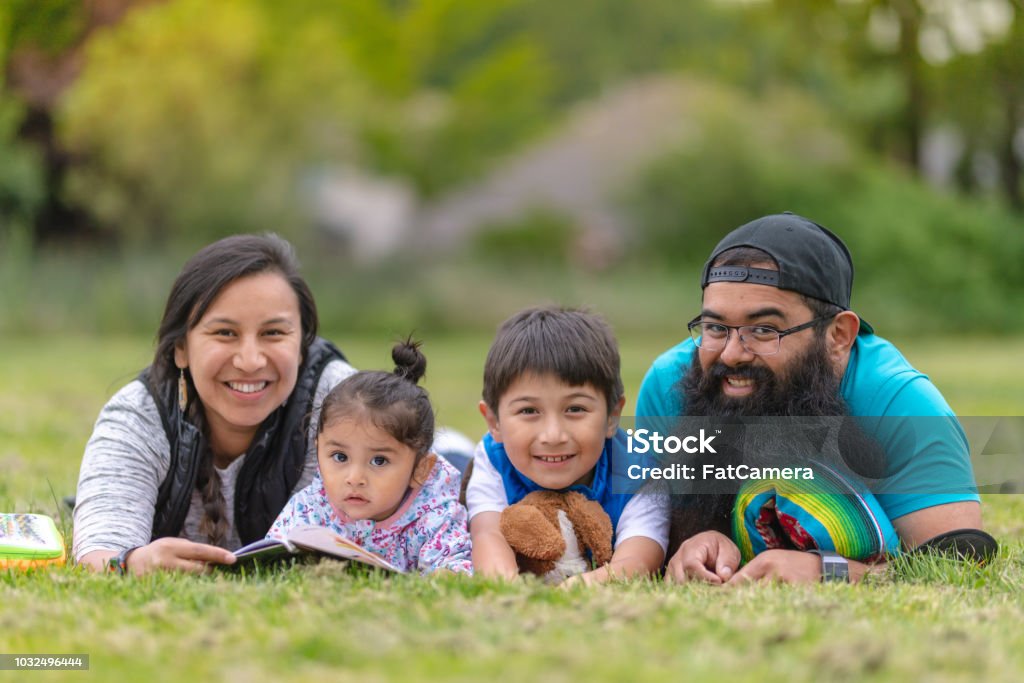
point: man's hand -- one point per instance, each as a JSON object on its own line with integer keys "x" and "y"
{"x": 786, "y": 566}
{"x": 793, "y": 566}
{"x": 708, "y": 556}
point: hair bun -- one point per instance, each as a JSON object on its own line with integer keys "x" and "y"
{"x": 410, "y": 363}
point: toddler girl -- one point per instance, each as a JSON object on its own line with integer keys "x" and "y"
{"x": 379, "y": 485}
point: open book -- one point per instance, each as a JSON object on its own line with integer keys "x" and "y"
{"x": 29, "y": 541}
{"x": 310, "y": 539}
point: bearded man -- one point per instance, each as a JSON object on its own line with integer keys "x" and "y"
{"x": 776, "y": 337}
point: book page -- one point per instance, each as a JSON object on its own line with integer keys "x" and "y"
{"x": 264, "y": 550}
{"x": 327, "y": 542}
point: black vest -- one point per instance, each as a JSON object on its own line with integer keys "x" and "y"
{"x": 273, "y": 462}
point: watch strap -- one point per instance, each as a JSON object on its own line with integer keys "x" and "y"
{"x": 118, "y": 564}
{"x": 834, "y": 567}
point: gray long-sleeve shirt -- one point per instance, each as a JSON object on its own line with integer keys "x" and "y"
{"x": 126, "y": 459}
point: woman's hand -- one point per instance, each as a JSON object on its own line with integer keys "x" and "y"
{"x": 174, "y": 554}
{"x": 177, "y": 554}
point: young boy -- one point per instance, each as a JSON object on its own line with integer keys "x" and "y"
{"x": 552, "y": 399}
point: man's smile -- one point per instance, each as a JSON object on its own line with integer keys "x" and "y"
{"x": 741, "y": 381}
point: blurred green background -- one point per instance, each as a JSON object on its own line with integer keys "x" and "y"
{"x": 441, "y": 163}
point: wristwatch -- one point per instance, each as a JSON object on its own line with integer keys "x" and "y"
{"x": 834, "y": 567}
{"x": 119, "y": 563}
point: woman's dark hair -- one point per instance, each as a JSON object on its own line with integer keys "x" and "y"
{"x": 200, "y": 282}
{"x": 393, "y": 401}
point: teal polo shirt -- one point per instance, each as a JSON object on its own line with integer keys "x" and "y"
{"x": 928, "y": 458}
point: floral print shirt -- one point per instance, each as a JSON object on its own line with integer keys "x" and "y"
{"x": 426, "y": 533}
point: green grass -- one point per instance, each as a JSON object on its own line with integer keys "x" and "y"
{"x": 924, "y": 619}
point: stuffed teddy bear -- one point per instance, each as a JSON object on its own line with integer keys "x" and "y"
{"x": 550, "y": 533}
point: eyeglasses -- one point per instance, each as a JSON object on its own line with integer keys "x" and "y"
{"x": 760, "y": 340}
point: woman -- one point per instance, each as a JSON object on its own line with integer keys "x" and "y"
{"x": 200, "y": 453}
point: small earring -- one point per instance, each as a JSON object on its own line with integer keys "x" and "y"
{"x": 182, "y": 391}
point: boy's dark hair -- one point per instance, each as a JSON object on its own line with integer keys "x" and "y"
{"x": 393, "y": 401}
{"x": 575, "y": 345}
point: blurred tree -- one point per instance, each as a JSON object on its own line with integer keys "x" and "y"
{"x": 462, "y": 87}
{"x": 21, "y": 175}
{"x": 936, "y": 260}
{"x": 51, "y": 26}
{"x": 41, "y": 53}
{"x": 194, "y": 120}
{"x": 596, "y": 44}
{"x": 1002, "y": 65}
{"x": 34, "y": 36}
{"x": 981, "y": 93}
{"x": 893, "y": 69}
{"x": 195, "y": 123}
{"x": 1007, "y": 58}
{"x": 912, "y": 118}
{"x": 859, "y": 57}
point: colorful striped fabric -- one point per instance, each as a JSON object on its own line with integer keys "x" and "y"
{"x": 830, "y": 512}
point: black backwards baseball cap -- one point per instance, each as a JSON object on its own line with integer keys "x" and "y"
{"x": 812, "y": 260}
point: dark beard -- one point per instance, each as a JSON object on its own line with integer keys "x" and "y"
{"x": 809, "y": 390}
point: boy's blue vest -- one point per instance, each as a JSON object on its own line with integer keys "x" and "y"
{"x": 608, "y": 469}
